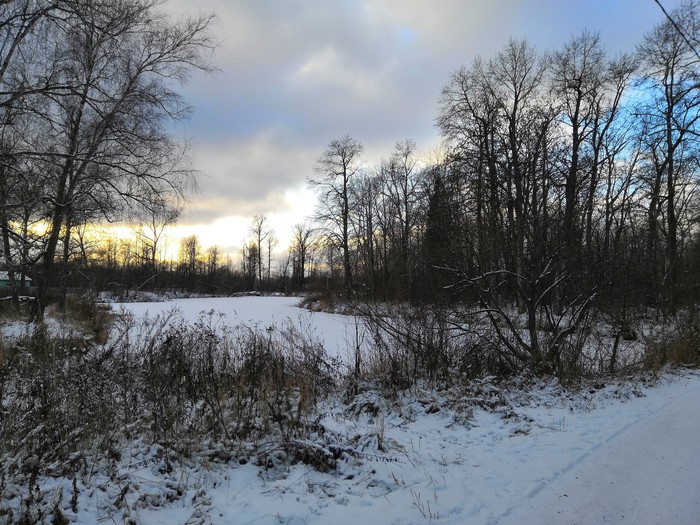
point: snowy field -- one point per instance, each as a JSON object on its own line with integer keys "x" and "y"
{"x": 337, "y": 332}
{"x": 516, "y": 452}
{"x": 623, "y": 453}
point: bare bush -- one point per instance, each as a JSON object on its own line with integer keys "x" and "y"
{"x": 424, "y": 343}
{"x": 160, "y": 380}
{"x": 679, "y": 344}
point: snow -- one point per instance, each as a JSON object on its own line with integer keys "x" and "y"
{"x": 622, "y": 454}
{"x": 647, "y": 472}
{"x": 499, "y": 471}
{"x": 420, "y": 468}
{"x": 337, "y": 332}
{"x": 520, "y": 452}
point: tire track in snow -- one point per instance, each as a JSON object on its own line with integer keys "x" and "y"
{"x": 621, "y": 479}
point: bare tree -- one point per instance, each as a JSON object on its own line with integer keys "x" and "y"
{"x": 260, "y": 232}
{"x": 335, "y": 170}
{"x": 152, "y": 226}
{"x": 271, "y": 243}
{"x": 670, "y": 120}
{"x": 250, "y": 257}
{"x": 610, "y": 137}
{"x": 303, "y": 238}
{"x": 470, "y": 120}
{"x": 24, "y": 25}
{"x": 577, "y": 75}
{"x": 213, "y": 260}
{"x": 104, "y": 76}
{"x": 188, "y": 258}
{"x": 506, "y": 181}
{"x": 402, "y": 182}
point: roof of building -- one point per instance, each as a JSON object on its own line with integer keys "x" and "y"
{"x": 5, "y": 277}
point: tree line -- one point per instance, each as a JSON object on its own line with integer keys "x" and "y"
{"x": 140, "y": 259}
{"x": 567, "y": 181}
{"x": 562, "y": 173}
{"x": 88, "y": 103}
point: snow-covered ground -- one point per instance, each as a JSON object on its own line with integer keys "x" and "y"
{"x": 513, "y": 453}
{"x": 337, "y": 332}
{"x": 621, "y": 453}
{"x": 646, "y": 472}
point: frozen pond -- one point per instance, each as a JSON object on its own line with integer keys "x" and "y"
{"x": 337, "y": 332}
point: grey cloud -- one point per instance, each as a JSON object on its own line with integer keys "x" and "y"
{"x": 245, "y": 177}
{"x": 297, "y": 73}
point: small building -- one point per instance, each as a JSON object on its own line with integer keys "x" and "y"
{"x": 5, "y": 280}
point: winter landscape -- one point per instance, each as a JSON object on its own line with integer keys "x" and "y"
{"x": 526, "y": 452}
{"x": 518, "y": 450}
{"x": 301, "y": 262}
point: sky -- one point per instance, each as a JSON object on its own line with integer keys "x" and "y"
{"x": 296, "y": 74}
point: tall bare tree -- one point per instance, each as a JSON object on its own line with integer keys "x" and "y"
{"x": 153, "y": 223}
{"x": 577, "y": 75}
{"x": 260, "y": 232}
{"x": 188, "y": 259}
{"x": 335, "y": 171}
{"x": 670, "y": 127}
{"x": 402, "y": 189}
{"x": 303, "y": 238}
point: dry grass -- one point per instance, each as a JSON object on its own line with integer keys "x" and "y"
{"x": 679, "y": 347}
{"x": 90, "y": 317}
{"x": 164, "y": 381}
{"x": 678, "y": 351}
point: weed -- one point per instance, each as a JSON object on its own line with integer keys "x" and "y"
{"x": 680, "y": 347}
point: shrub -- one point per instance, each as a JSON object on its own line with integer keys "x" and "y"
{"x": 161, "y": 380}
{"x": 90, "y": 317}
{"x": 680, "y": 346}
{"x": 422, "y": 343}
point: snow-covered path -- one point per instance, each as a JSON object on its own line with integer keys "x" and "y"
{"x": 646, "y": 474}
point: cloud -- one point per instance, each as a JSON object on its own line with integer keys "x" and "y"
{"x": 247, "y": 177}
{"x": 296, "y": 74}
{"x": 328, "y": 71}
